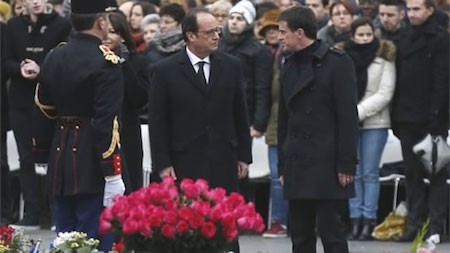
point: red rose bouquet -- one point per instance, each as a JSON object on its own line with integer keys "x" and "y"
{"x": 189, "y": 217}
{"x": 12, "y": 240}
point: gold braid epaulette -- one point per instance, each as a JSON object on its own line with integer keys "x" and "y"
{"x": 41, "y": 106}
{"x": 115, "y": 140}
{"x": 109, "y": 55}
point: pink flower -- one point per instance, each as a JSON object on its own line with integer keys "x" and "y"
{"x": 171, "y": 217}
{"x": 202, "y": 184}
{"x": 185, "y": 213}
{"x": 196, "y": 221}
{"x": 104, "y": 227}
{"x": 217, "y": 194}
{"x": 130, "y": 227}
{"x": 201, "y": 207}
{"x": 189, "y": 189}
{"x": 208, "y": 229}
{"x": 168, "y": 231}
{"x": 182, "y": 226}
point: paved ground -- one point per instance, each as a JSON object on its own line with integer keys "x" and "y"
{"x": 257, "y": 244}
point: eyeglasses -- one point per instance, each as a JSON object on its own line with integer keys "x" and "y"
{"x": 211, "y": 32}
{"x": 220, "y": 15}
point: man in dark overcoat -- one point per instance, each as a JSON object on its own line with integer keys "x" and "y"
{"x": 77, "y": 126}
{"x": 198, "y": 116}
{"x": 317, "y": 132}
{"x": 420, "y": 107}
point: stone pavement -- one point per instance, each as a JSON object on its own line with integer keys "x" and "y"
{"x": 258, "y": 244}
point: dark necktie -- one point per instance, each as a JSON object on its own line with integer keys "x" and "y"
{"x": 201, "y": 72}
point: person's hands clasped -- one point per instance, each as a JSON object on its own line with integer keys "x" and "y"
{"x": 345, "y": 179}
{"x": 29, "y": 69}
{"x": 113, "y": 186}
{"x": 242, "y": 169}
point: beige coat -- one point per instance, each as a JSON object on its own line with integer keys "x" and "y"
{"x": 373, "y": 109}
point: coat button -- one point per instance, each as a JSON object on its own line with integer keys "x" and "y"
{"x": 74, "y": 149}
{"x": 58, "y": 149}
{"x": 77, "y": 127}
{"x": 62, "y": 127}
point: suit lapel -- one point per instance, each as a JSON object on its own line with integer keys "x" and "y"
{"x": 189, "y": 72}
{"x": 214, "y": 71}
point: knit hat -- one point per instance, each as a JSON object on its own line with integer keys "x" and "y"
{"x": 5, "y": 9}
{"x": 246, "y": 9}
{"x": 269, "y": 19}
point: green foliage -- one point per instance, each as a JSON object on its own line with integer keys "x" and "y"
{"x": 419, "y": 237}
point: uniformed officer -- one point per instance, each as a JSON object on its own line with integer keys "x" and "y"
{"x": 77, "y": 123}
{"x": 317, "y": 132}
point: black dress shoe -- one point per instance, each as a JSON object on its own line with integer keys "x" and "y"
{"x": 408, "y": 236}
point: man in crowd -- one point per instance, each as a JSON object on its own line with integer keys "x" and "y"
{"x": 29, "y": 37}
{"x": 391, "y": 14}
{"x": 77, "y": 124}
{"x": 320, "y": 9}
{"x": 317, "y": 133}
{"x": 199, "y": 126}
{"x": 420, "y": 107}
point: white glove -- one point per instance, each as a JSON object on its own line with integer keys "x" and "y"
{"x": 113, "y": 186}
{"x": 41, "y": 168}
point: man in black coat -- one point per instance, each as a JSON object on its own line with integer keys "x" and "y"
{"x": 198, "y": 117}
{"x": 317, "y": 133}
{"x": 29, "y": 37}
{"x": 420, "y": 107}
{"x": 77, "y": 126}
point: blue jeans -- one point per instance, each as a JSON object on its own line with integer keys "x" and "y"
{"x": 367, "y": 184}
{"x": 278, "y": 204}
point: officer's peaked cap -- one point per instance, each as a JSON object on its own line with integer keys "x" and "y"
{"x": 93, "y": 6}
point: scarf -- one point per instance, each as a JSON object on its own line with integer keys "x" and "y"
{"x": 169, "y": 42}
{"x": 362, "y": 56}
{"x": 234, "y": 40}
{"x": 139, "y": 41}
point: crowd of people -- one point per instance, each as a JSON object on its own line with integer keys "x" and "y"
{"x": 321, "y": 80}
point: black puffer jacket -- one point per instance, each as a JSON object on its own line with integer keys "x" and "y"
{"x": 257, "y": 63}
{"x": 28, "y": 40}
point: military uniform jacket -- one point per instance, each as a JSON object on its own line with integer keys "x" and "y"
{"x": 77, "y": 121}
{"x": 318, "y": 123}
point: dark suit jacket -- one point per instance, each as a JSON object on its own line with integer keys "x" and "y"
{"x": 201, "y": 131}
{"x": 318, "y": 124}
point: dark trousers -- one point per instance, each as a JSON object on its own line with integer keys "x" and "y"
{"x": 5, "y": 179}
{"x": 308, "y": 215}
{"x": 421, "y": 206}
{"x": 21, "y": 124}
{"x": 82, "y": 213}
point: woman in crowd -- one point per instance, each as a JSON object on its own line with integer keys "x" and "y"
{"x": 138, "y": 11}
{"x": 135, "y": 97}
{"x": 341, "y": 14}
{"x": 220, "y": 10}
{"x": 150, "y": 27}
{"x": 375, "y": 75}
{"x": 170, "y": 38}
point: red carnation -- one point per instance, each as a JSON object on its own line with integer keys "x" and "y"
{"x": 208, "y": 229}
{"x": 182, "y": 226}
{"x": 168, "y": 231}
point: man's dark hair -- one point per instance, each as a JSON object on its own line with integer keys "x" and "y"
{"x": 361, "y": 21}
{"x": 81, "y": 22}
{"x": 190, "y": 23}
{"x": 261, "y": 8}
{"x": 300, "y": 17}
{"x": 176, "y": 11}
{"x": 398, "y": 3}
